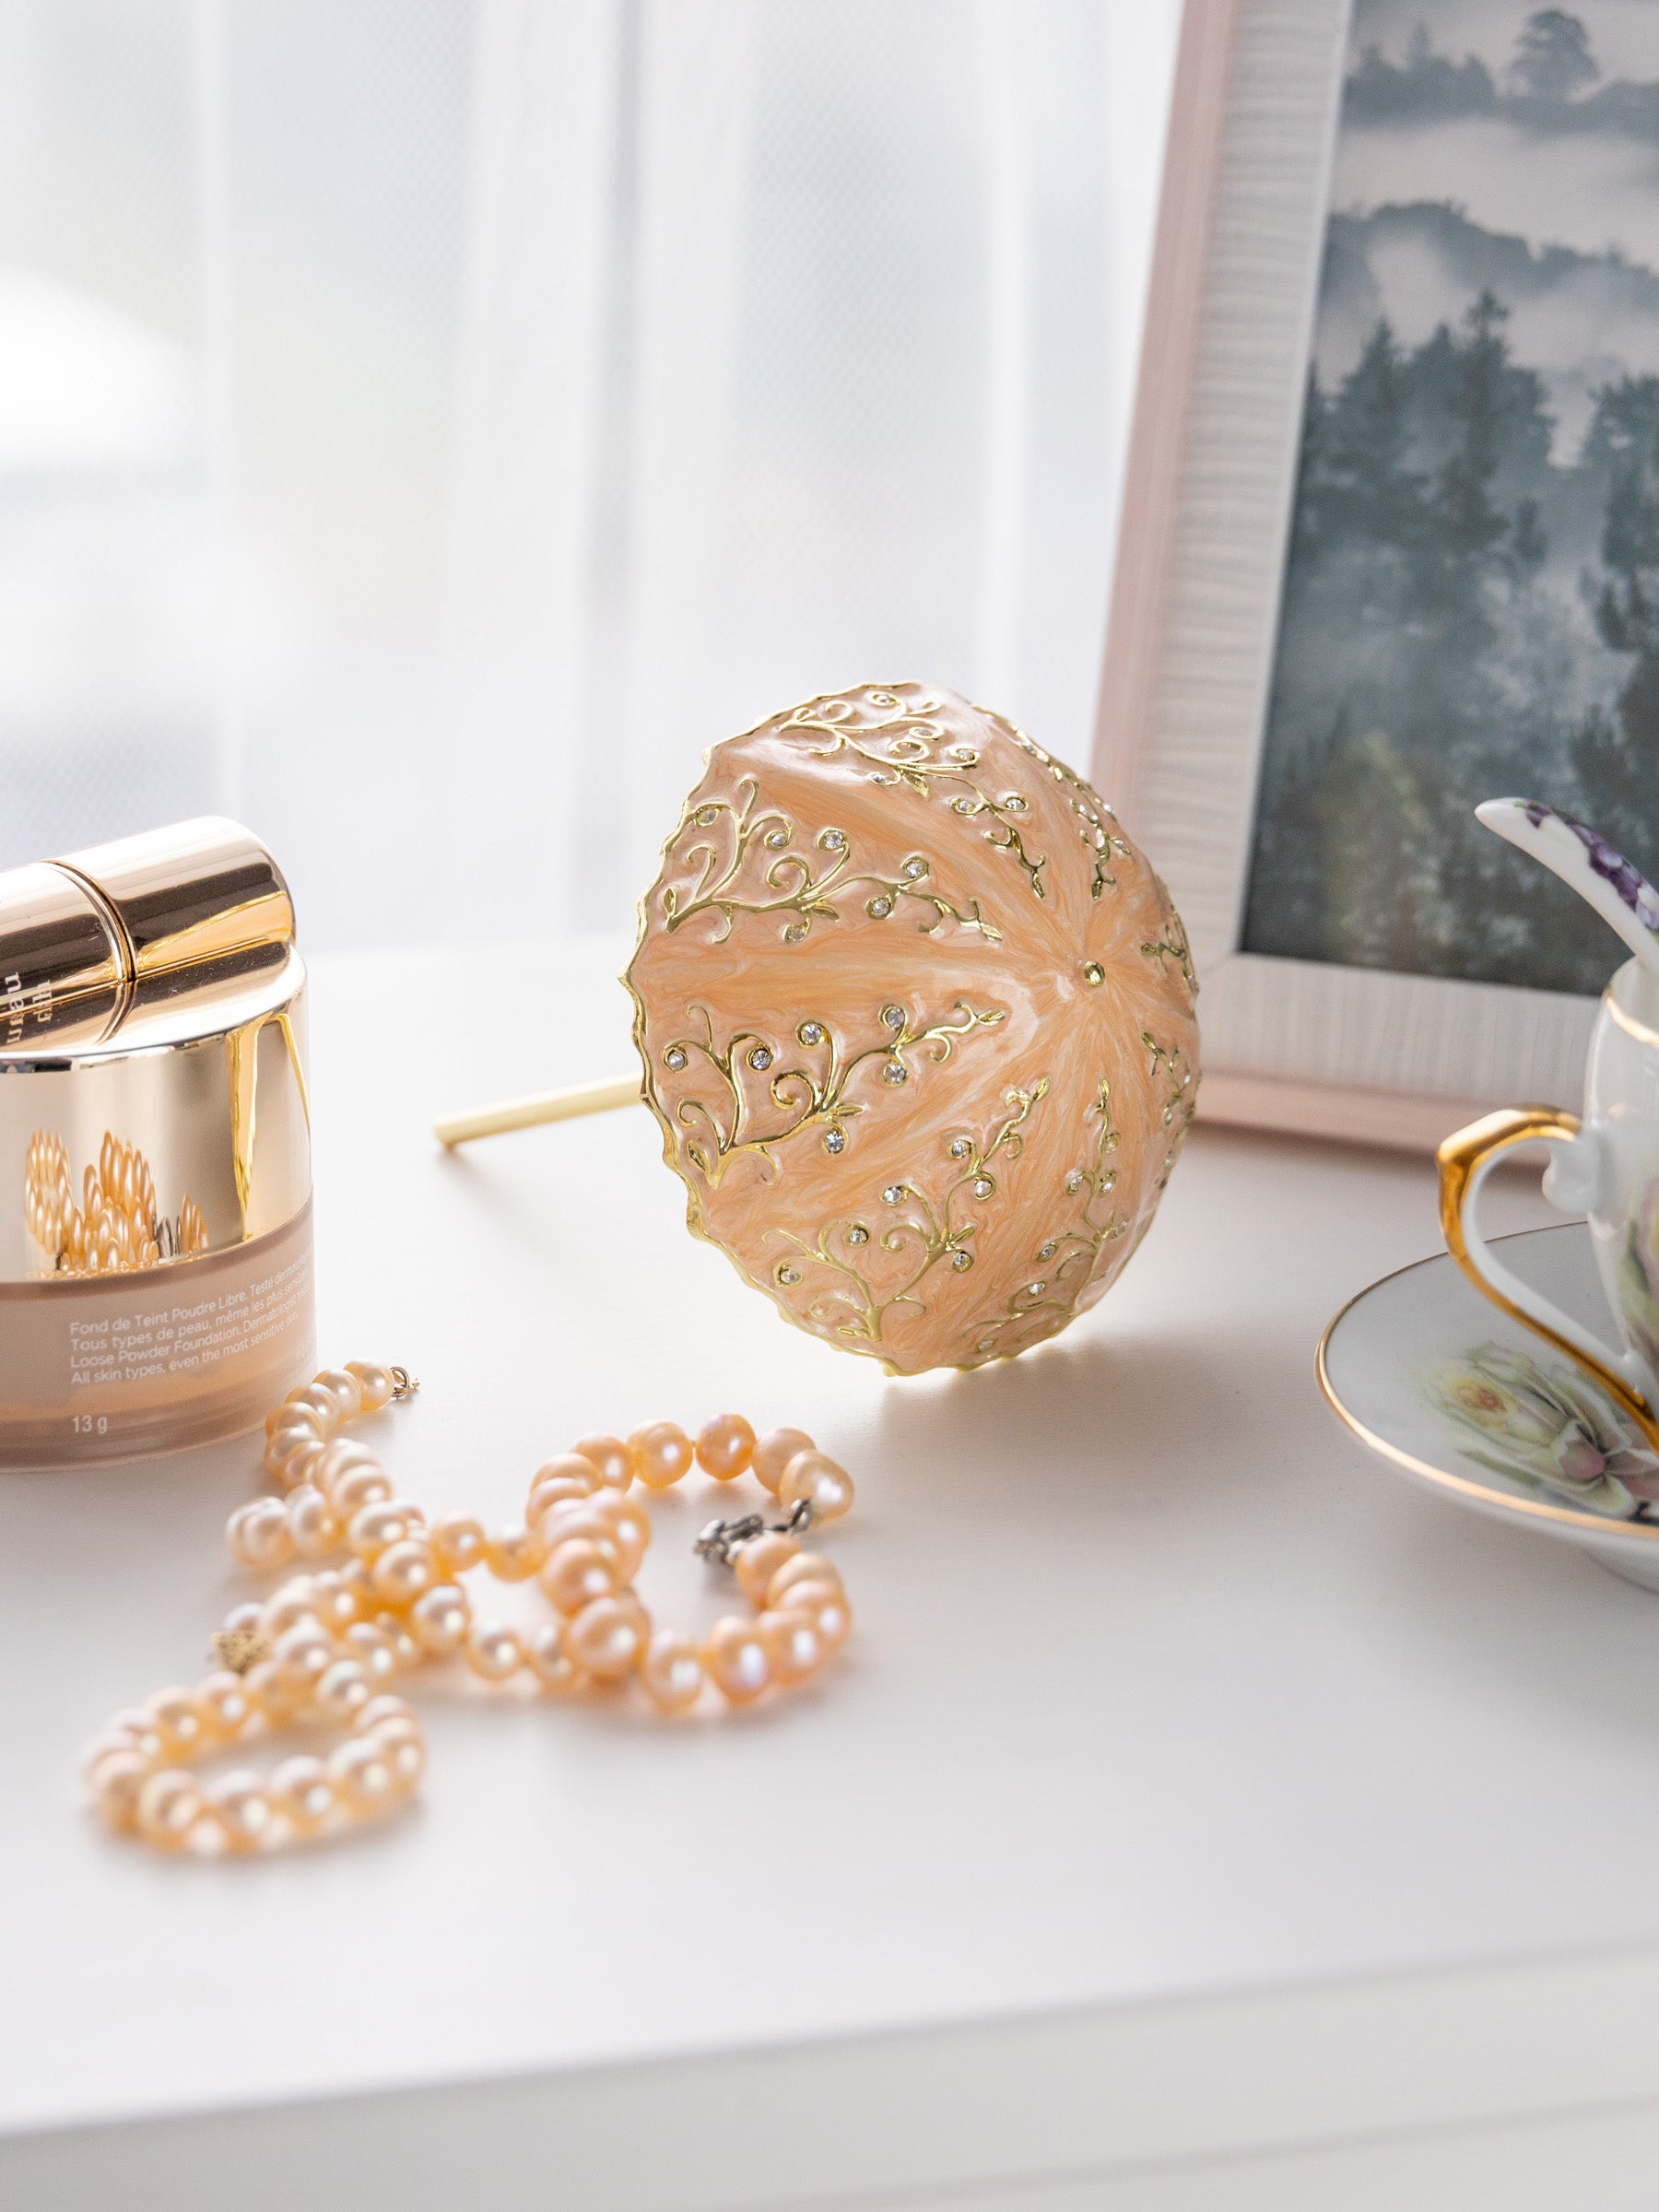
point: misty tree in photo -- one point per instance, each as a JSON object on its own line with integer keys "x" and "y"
{"x": 1469, "y": 609}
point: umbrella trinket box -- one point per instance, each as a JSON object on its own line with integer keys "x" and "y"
{"x": 916, "y": 1019}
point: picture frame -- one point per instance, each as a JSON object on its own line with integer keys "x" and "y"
{"x": 1297, "y": 1044}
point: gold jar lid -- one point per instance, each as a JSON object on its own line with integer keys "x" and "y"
{"x": 153, "y": 1101}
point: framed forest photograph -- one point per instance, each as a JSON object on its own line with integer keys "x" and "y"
{"x": 1391, "y": 540}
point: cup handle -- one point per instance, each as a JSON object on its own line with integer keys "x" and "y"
{"x": 1465, "y": 1160}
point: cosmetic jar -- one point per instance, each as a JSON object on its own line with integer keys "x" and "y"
{"x": 155, "y": 1147}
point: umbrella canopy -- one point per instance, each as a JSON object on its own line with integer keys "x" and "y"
{"x": 916, "y": 1018}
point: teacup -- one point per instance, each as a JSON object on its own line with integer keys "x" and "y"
{"x": 1606, "y": 1166}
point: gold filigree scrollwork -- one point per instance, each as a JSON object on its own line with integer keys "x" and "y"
{"x": 1179, "y": 1101}
{"x": 1171, "y": 944}
{"x": 1067, "y": 1258}
{"x": 1097, "y": 824}
{"x": 807, "y": 1095}
{"x": 117, "y": 1228}
{"x": 929, "y": 1235}
{"x": 792, "y": 885}
{"x": 915, "y": 750}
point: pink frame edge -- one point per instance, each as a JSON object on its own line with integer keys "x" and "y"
{"x": 1407, "y": 1121}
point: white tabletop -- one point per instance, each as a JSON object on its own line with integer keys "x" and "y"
{"x": 1192, "y": 1788}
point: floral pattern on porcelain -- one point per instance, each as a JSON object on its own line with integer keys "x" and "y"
{"x": 1547, "y": 1427}
{"x": 1633, "y": 888}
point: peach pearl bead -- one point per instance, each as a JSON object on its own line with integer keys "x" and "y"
{"x": 359, "y": 1585}
{"x": 179, "y": 1722}
{"x": 661, "y": 1452}
{"x": 403, "y": 1749}
{"x": 138, "y": 1723}
{"x": 169, "y": 1805}
{"x": 576, "y": 1573}
{"x": 273, "y": 1697}
{"x": 404, "y": 1571}
{"x": 557, "y": 1490}
{"x": 560, "y": 1525}
{"x": 774, "y": 1453}
{"x": 672, "y": 1671}
{"x": 335, "y": 1599}
{"x": 607, "y": 1637}
{"x": 724, "y": 1446}
{"x": 440, "y": 1619}
{"x": 457, "y": 1543}
{"x": 242, "y": 1804}
{"x": 342, "y": 1690}
{"x": 322, "y": 1401}
{"x": 115, "y": 1781}
{"x": 258, "y": 1533}
{"x": 376, "y": 1383}
{"x": 793, "y": 1643}
{"x": 287, "y": 1605}
{"x": 513, "y": 1554}
{"x": 108, "y": 1741}
{"x": 302, "y": 1794}
{"x": 374, "y": 1649}
{"x": 737, "y": 1659}
{"x": 826, "y": 1604}
{"x": 311, "y": 1524}
{"x": 222, "y": 1701}
{"x": 494, "y": 1652}
{"x": 358, "y": 1488}
{"x": 338, "y": 1457}
{"x": 629, "y": 1526}
{"x": 548, "y": 1658}
{"x": 347, "y": 1391}
{"x": 806, "y": 1567}
{"x": 759, "y": 1560}
{"x": 608, "y": 1456}
{"x": 376, "y": 1527}
{"x": 291, "y": 1454}
{"x": 290, "y": 1415}
{"x": 814, "y": 1479}
{"x": 398, "y": 1634}
{"x": 568, "y": 1466}
{"x": 301, "y": 1657}
{"x": 361, "y": 1774}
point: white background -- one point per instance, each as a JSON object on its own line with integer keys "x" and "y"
{"x": 426, "y": 424}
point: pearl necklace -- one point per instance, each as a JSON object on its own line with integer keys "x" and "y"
{"x": 323, "y": 1649}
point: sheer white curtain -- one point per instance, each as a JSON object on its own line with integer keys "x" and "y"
{"x": 425, "y": 424}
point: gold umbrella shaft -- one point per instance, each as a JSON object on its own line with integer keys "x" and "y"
{"x": 530, "y": 1113}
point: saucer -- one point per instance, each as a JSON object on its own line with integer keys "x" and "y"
{"x": 1445, "y": 1387}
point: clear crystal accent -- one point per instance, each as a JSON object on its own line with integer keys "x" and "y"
{"x": 894, "y": 1193}
{"x": 895, "y": 1071}
{"x": 794, "y": 932}
{"x": 858, "y": 1234}
{"x": 760, "y": 1059}
{"x": 833, "y": 841}
{"x": 787, "y": 1276}
{"x": 961, "y": 1261}
{"x": 1046, "y": 1251}
{"x": 674, "y": 1058}
{"x": 1076, "y": 1180}
{"x": 1036, "y": 1290}
{"x": 915, "y": 866}
{"x": 892, "y": 1017}
{"x": 707, "y": 817}
{"x": 880, "y": 908}
{"x": 1015, "y": 803}
{"x": 777, "y": 839}
{"x": 983, "y": 1186}
{"x": 960, "y": 1148}
{"x": 835, "y": 1140}
{"x": 811, "y": 1032}
{"x": 964, "y": 805}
